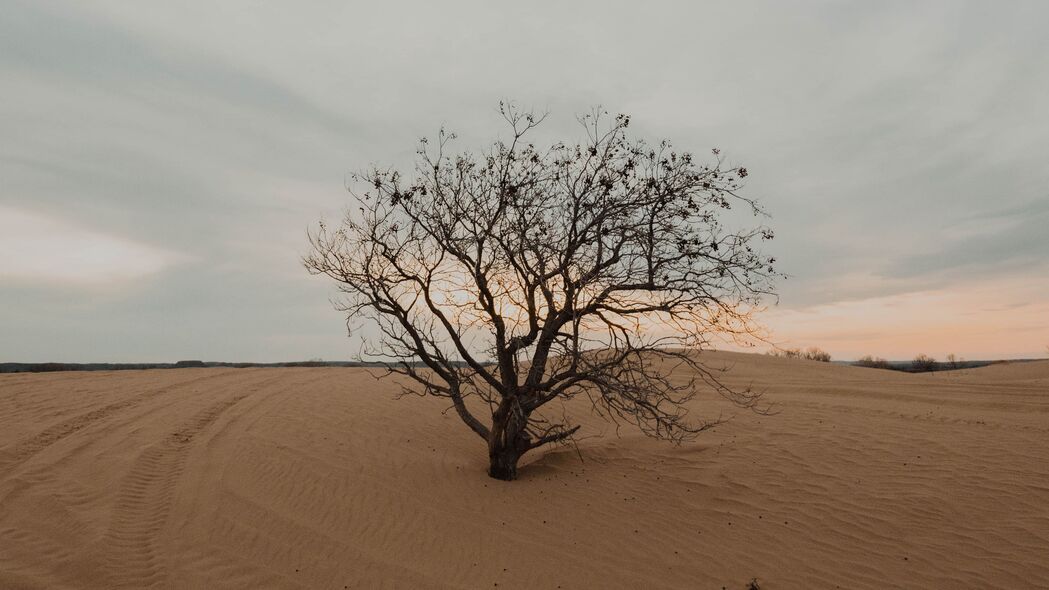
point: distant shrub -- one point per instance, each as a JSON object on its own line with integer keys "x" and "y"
{"x": 873, "y": 362}
{"x": 812, "y": 353}
{"x": 815, "y": 354}
{"x": 923, "y": 363}
{"x": 184, "y": 364}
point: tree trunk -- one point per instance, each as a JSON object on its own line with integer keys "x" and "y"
{"x": 507, "y": 441}
{"x": 502, "y": 464}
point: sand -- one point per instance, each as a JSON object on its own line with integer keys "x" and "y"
{"x": 322, "y": 478}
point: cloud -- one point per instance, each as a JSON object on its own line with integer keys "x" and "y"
{"x": 43, "y": 250}
{"x": 997, "y": 242}
{"x": 895, "y": 145}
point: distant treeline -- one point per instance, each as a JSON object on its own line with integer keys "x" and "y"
{"x": 51, "y": 367}
{"x": 926, "y": 364}
{"x": 921, "y": 363}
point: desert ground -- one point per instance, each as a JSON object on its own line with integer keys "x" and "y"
{"x": 324, "y": 478}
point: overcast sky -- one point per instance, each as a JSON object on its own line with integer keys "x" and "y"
{"x": 161, "y": 162}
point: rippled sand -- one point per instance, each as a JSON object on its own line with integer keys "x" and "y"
{"x": 322, "y": 478}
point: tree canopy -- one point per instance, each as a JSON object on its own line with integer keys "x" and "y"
{"x": 507, "y": 279}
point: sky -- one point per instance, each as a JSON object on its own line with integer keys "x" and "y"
{"x": 161, "y": 162}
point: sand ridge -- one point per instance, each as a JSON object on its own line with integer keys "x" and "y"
{"x": 322, "y": 478}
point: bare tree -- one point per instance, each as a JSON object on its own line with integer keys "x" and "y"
{"x": 509, "y": 279}
{"x": 873, "y": 362}
{"x": 923, "y": 363}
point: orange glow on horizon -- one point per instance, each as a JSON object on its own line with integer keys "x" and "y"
{"x": 989, "y": 320}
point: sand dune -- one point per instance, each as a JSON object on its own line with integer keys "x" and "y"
{"x": 320, "y": 478}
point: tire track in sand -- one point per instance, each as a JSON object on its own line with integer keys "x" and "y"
{"x": 27, "y": 448}
{"x": 144, "y": 502}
